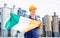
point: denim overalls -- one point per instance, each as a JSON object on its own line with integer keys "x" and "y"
{"x": 33, "y": 33}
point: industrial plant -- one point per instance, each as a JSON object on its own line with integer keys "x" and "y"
{"x": 50, "y": 24}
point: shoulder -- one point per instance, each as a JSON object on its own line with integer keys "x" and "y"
{"x": 37, "y": 17}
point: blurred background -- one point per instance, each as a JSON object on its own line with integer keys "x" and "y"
{"x": 47, "y": 12}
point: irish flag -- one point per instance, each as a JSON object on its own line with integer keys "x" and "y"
{"x": 22, "y": 24}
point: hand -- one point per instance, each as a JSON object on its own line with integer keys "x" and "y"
{"x": 40, "y": 25}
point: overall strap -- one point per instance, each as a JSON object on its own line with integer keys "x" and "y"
{"x": 32, "y": 18}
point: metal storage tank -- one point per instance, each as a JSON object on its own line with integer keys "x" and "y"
{"x": 5, "y": 14}
{"x": 48, "y": 27}
{"x": 55, "y": 25}
{"x": 13, "y": 32}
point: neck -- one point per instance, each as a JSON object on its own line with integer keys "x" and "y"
{"x": 32, "y": 16}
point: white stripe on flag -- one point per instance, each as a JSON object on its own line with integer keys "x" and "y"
{"x": 23, "y": 23}
{"x": 26, "y": 25}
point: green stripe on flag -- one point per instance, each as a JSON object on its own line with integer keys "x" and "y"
{"x": 14, "y": 19}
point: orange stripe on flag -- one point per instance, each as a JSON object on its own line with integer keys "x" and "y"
{"x": 33, "y": 24}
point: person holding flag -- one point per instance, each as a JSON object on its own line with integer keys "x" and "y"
{"x": 33, "y": 33}
{"x": 27, "y": 26}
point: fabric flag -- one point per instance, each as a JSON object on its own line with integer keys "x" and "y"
{"x": 20, "y": 23}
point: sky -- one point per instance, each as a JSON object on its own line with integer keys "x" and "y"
{"x": 44, "y": 7}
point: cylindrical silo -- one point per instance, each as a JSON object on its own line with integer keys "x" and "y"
{"x": 55, "y": 25}
{"x": 48, "y": 27}
{"x": 5, "y": 15}
{"x": 13, "y": 32}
